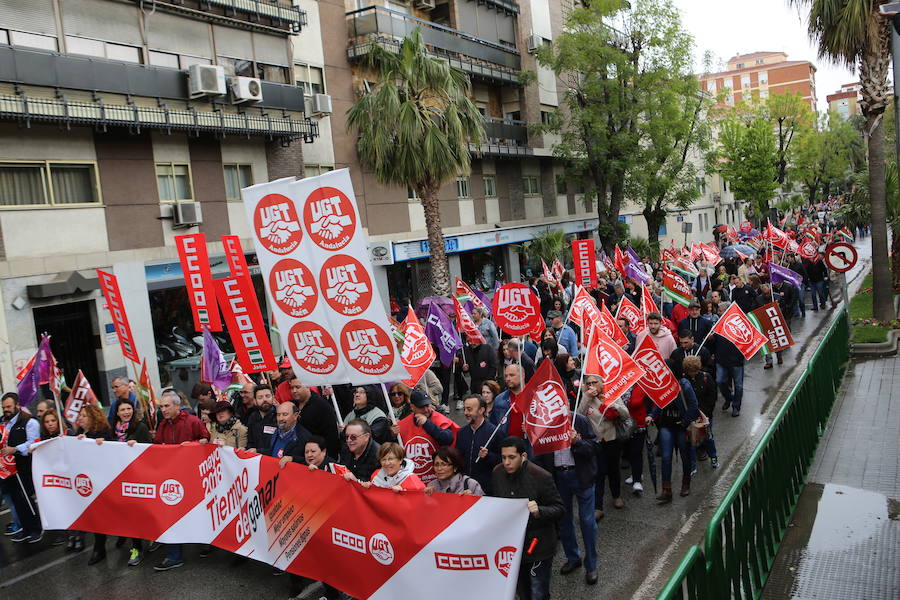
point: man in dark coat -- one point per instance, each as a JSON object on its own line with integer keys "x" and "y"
{"x": 481, "y": 364}
{"x": 479, "y": 457}
{"x": 316, "y": 414}
{"x": 743, "y": 295}
{"x": 688, "y": 346}
{"x": 359, "y": 452}
{"x": 696, "y": 324}
{"x": 288, "y": 443}
{"x": 261, "y": 423}
{"x": 517, "y": 477}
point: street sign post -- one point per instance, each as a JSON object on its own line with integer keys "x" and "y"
{"x": 840, "y": 257}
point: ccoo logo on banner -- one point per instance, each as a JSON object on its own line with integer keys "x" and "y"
{"x": 300, "y": 521}
{"x": 307, "y": 235}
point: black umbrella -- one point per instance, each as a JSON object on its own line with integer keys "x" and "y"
{"x": 651, "y": 460}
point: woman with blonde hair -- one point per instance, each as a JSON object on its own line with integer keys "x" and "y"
{"x": 396, "y": 473}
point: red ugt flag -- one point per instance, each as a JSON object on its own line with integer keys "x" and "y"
{"x": 735, "y": 327}
{"x": 545, "y": 409}
{"x": 466, "y": 325}
{"x": 80, "y": 395}
{"x": 619, "y": 261}
{"x": 417, "y": 353}
{"x": 616, "y": 369}
{"x": 631, "y": 313}
{"x": 658, "y": 381}
{"x": 517, "y": 310}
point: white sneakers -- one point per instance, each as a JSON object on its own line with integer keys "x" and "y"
{"x": 629, "y": 480}
{"x": 638, "y": 487}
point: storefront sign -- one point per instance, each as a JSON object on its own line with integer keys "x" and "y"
{"x": 585, "y": 262}
{"x": 335, "y": 333}
{"x": 245, "y": 324}
{"x": 198, "y": 280}
{"x": 110, "y": 286}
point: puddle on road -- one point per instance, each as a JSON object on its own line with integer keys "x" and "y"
{"x": 843, "y": 542}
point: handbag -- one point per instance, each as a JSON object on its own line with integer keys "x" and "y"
{"x": 624, "y": 428}
{"x": 698, "y": 431}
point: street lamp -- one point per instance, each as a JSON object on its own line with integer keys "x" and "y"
{"x": 892, "y": 12}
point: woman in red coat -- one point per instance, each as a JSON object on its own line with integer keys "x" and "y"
{"x": 396, "y": 472}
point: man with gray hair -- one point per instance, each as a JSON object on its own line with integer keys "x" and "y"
{"x": 121, "y": 391}
{"x": 176, "y": 427}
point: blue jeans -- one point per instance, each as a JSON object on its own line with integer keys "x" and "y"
{"x": 669, "y": 437}
{"x": 534, "y": 580}
{"x": 569, "y": 487}
{"x": 818, "y": 294}
{"x": 14, "y": 518}
{"x": 175, "y": 552}
{"x": 725, "y": 376}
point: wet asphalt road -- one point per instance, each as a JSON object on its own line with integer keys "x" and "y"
{"x": 639, "y": 545}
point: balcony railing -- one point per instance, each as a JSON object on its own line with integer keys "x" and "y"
{"x": 277, "y": 14}
{"x": 503, "y": 137}
{"x": 474, "y": 55}
{"x": 510, "y": 7}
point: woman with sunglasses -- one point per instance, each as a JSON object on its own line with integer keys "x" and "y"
{"x": 399, "y": 397}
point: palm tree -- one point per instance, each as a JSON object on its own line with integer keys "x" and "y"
{"x": 851, "y": 32}
{"x": 415, "y": 129}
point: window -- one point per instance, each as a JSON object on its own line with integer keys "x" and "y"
{"x": 546, "y": 117}
{"x": 4, "y": 36}
{"x": 490, "y": 186}
{"x": 760, "y": 61}
{"x": 47, "y": 183}
{"x": 560, "y": 184}
{"x": 32, "y": 40}
{"x": 740, "y": 65}
{"x": 310, "y": 79}
{"x": 729, "y": 82}
{"x": 579, "y": 186}
{"x": 273, "y": 73}
{"x": 763, "y": 78}
{"x": 174, "y": 181}
{"x": 711, "y": 87}
{"x": 163, "y": 59}
{"x": 531, "y": 185}
{"x": 236, "y": 67}
{"x": 101, "y": 49}
{"x": 764, "y": 94}
{"x": 237, "y": 177}
{"x": 315, "y": 170}
{"x": 663, "y": 230}
{"x": 745, "y": 81}
{"x": 411, "y": 194}
{"x": 462, "y": 187}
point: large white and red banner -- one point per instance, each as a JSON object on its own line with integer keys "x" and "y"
{"x": 658, "y": 382}
{"x": 110, "y": 286}
{"x": 307, "y": 236}
{"x": 517, "y": 310}
{"x": 240, "y": 308}
{"x": 80, "y": 395}
{"x": 584, "y": 259}
{"x": 371, "y": 543}
{"x": 198, "y": 281}
{"x": 544, "y": 406}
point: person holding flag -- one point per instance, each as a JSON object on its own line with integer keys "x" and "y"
{"x": 423, "y": 432}
{"x": 603, "y": 417}
{"x": 18, "y": 431}
{"x": 672, "y": 422}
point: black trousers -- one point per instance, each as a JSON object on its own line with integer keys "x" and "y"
{"x": 21, "y": 489}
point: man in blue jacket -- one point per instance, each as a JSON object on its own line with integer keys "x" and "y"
{"x": 574, "y": 471}
{"x": 479, "y": 458}
{"x": 565, "y": 337}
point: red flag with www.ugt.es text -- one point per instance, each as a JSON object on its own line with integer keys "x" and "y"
{"x": 80, "y": 395}
{"x": 611, "y": 363}
{"x": 545, "y": 409}
{"x": 517, "y": 310}
{"x": 735, "y": 327}
{"x": 658, "y": 381}
{"x": 417, "y": 353}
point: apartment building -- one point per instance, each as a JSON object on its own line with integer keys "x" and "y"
{"x": 122, "y": 124}
{"x": 845, "y": 101}
{"x": 761, "y": 74}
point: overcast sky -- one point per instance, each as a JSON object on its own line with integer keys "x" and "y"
{"x": 729, "y": 27}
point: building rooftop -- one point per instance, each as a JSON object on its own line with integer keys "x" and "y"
{"x": 768, "y": 67}
{"x": 752, "y": 55}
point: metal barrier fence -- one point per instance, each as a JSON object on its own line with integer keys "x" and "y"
{"x": 746, "y": 530}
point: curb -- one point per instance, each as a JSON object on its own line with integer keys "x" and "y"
{"x": 883, "y": 349}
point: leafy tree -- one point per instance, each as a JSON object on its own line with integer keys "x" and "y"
{"x": 415, "y": 129}
{"x": 618, "y": 89}
{"x": 746, "y": 156}
{"x": 820, "y": 156}
{"x": 790, "y": 114}
{"x": 547, "y": 246}
{"x": 852, "y": 33}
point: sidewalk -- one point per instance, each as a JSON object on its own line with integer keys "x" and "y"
{"x": 844, "y": 537}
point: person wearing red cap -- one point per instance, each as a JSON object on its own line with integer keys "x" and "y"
{"x": 283, "y": 389}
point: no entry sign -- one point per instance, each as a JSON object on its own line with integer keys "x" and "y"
{"x": 840, "y": 257}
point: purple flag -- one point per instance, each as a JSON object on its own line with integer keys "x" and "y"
{"x": 484, "y": 299}
{"x": 30, "y": 386}
{"x": 634, "y": 257}
{"x": 215, "y": 368}
{"x": 440, "y": 331}
{"x": 636, "y": 272}
{"x": 777, "y": 274}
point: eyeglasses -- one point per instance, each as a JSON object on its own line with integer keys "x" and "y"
{"x": 396, "y": 393}
{"x": 353, "y": 437}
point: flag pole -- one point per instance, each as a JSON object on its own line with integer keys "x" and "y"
{"x": 497, "y": 428}
{"x": 706, "y": 337}
{"x": 581, "y": 377}
{"x": 337, "y": 411}
{"x": 393, "y": 417}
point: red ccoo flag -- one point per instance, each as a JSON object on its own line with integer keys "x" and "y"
{"x": 735, "y": 327}
{"x": 544, "y": 407}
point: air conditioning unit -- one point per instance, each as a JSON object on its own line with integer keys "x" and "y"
{"x": 425, "y": 4}
{"x": 534, "y": 42}
{"x": 321, "y": 104}
{"x": 245, "y": 89}
{"x": 206, "y": 80}
{"x": 186, "y": 214}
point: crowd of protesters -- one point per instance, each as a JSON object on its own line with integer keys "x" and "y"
{"x": 488, "y": 454}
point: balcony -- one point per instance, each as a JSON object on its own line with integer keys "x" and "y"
{"x": 267, "y": 15}
{"x": 476, "y": 56}
{"x": 504, "y": 138}
{"x": 510, "y": 7}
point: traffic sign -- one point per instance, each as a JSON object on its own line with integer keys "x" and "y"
{"x": 840, "y": 257}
